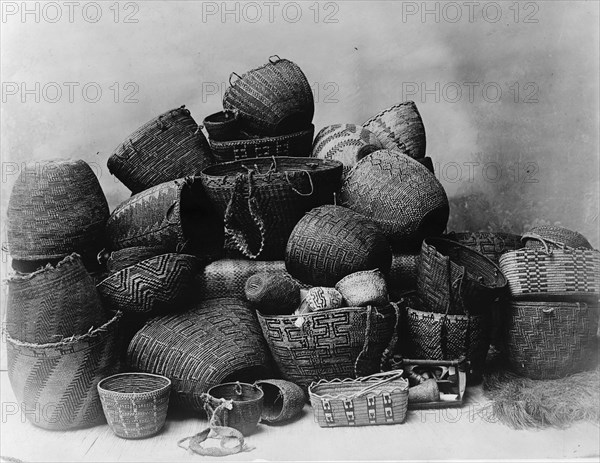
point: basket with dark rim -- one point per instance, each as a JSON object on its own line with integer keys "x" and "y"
{"x": 56, "y": 208}
{"x": 454, "y": 279}
{"x": 548, "y": 340}
{"x": 273, "y": 99}
{"x": 135, "y": 404}
{"x": 557, "y": 237}
{"x": 222, "y": 126}
{"x": 165, "y": 148}
{"x": 126, "y": 257}
{"x": 214, "y": 341}
{"x": 491, "y": 244}
{"x": 262, "y": 199}
{"x": 283, "y": 400}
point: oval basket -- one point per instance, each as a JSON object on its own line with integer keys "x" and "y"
{"x": 491, "y": 245}
{"x": 283, "y": 400}
{"x": 367, "y": 287}
{"x": 56, "y": 208}
{"x": 554, "y": 237}
{"x": 168, "y": 147}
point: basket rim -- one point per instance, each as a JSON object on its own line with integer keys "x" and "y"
{"x": 226, "y": 169}
{"x": 316, "y": 313}
{"x": 70, "y": 259}
{"x": 391, "y": 108}
{"x": 171, "y": 255}
{"x": 552, "y": 304}
{"x": 560, "y": 252}
{"x": 242, "y": 384}
{"x": 134, "y": 395}
{"x": 375, "y": 271}
{"x": 262, "y": 140}
{"x": 313, "y": 387}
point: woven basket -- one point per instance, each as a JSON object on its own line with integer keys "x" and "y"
{"x": 491, "y": 245}
{"x": 360, "y": 289}
{"x": 554, "y": 237}
{"x": 273, "y": 293}
{"x": 336, "y": 343}
{"x": 135, "y": 404}
{"x": 561, "y": 274}
{"x": 548, "y": 340}
{"x": 168, "y": 147}
{"x": 56, "y": 208}
{"x": 403, "y": 274}
{"x": 126, "y": 257}
{"x": 297, "y": 144}
{"x": 56, "y": 383}
{"x": 274, "y": 99}
{"x": 246, "y": 405}
{"x": 283, "y": 400}
{"x": 427, "y": 162}
{"x": 372, "y": 400}
{"x": 53, "y": 303}
{"x": 222, "y": 126}
{"x": 160, "y": 284}
{"x": 216, "y": 341}
{"x": 452, "y": 278}
{"x": 262, "y": 199}
{"x": 399, "y": 194}
{"x": 400, "y": 127}
{"x": 331, "y": 242}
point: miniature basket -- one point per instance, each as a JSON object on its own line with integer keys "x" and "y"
{"x": 400, "y": 127}
{"x": 400, "y": 195}
{"x": 56, "y": 208}
{"x": 367, "y": 287}
{"x": 168, "y": 147}
{"x": 135, "y": 404}
{"x": 554, "y": 237}
{"x": 331, "y": 242}
{"x": 283, "y": 400}
{"x": 378, "y": 399}
{"x": 246, "y": 406}
{"x": 548, "y": 340}
{"x": 222, "y": 126}
{"x": 403, "y": 274}
{"x": 126, "y": 257}
{"x": 491, "y": 245}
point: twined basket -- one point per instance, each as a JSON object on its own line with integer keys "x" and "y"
{"x": 53, "y": 303}
{"x": 262, "y": 199}
{"x": 273, "y": 99}
{"x": 400, "y": 127}
{"x": 215, "y": 341}
{"x": 165, "y": 148}
{"x": 56, "y": 208}
{"x": 337, "y": 343}
{"x": 56, "y": 382}
{"x": 491, "y": 244}
{"x": 283, "y": 400}
{"x": 126, "y": 257}
{"x": 548, "y": 340}
{"x": 544, "y": 236}
{"x": 403, "y": 274}
{"x": 399, "y": 194}
{"x": 222, "y": 126}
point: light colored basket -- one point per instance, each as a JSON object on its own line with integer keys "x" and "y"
{"x": 367, "y": 287}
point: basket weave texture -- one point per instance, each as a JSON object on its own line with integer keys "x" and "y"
{"x": 222, "y": 126}
{"x": 491, "y": 245}
{"x": 554, "y": 237}
{"x": 403, "y": 274}
{"x": 367, "y": 287}
{"x": 283, "y": 400}
{"x": 126, "y": 257}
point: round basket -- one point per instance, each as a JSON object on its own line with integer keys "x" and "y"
{"x": 360, "y": 289}
{"x": 554, "y": 237}
{"x": 160, "y": 284}
{"x": 57, "y": 381}
{"x": 222, "y": 126}
{"x": 135, "y": 404}
{"x": 168, "y": 147}
{"x": 126, "y": 257}
{"x": 491, "y": 245}
{"x": 454, "y": 279}
{"x": 400, "y": 195}
{"x": 216, "y": 341}
{"x": 56, "y": 208}
{"x": 400, "y": 127}
{"x": 273, "y": 293}
{"x": 331, "y": 242}
{"x": 262, "y": 199}
{"x": 247, "y": 405}
{"x": 548, "y": 340}
{"x": 403, "y": 274}
{"x": 53, "y": 303}
{"x": 273, "y": 99}
{"x": 283, "y": 400}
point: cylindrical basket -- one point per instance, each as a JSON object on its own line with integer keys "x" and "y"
{"x": 491, "y": 245}
{"x": 222, "y": 126}
{"x": 283, "y": 400}
{"x": 554, "y": 237}
{"x": 246, "y": 407}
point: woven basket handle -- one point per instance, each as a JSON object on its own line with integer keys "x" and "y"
{"x": 299, "y": 193}
{"x": 236, "y": 75}
{"x": 273, "y": 61}
{"x": 544, "y": 241}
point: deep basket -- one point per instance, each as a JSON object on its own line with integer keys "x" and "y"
{"x": 491, "y": 244}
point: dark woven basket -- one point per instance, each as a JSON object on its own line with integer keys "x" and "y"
{"x": 222, "y": 126}
{"x": 548, "y": 340}
{"x": 403, "y": 274}
{"x": 56, "y": 208}
{"x": 126, "y": 257}
{"x": 283, "y": 400}
{"x": 400, "y": 127}
{"x": 168, "y": 147}
{"x": 53, "y": 303}
{"x": 491, "y": 245}
{"x": 274, "y": 99}
{"x": 295, "y": 144}
{"x": 554, "y": 237}
{"x": 58, "y": 380}
{"x": 399, "y": 194}
{"x": 262, "y": 199}
{"x": 156, "y": 285}
{"x": 246, "y": 407}
{"x": 273, "y": 293}
{"x": 337, "y": 343}
{"x": 215, "y": 341}
{"x": 455, "y": 279}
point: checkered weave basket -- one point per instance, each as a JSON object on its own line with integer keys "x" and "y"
{"x": 491, "y": 245}
{"x": 168, "y": 147}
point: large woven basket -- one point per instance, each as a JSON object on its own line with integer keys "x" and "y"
{"x": 559, "y": 274}
{"x": 549, "y": 340}
{"x": 168, "y": 147}
{"x": 454, "y": 279}
{"x": 53, "y": 303}
{"x": 56, "y": 383}
{"x": 554, "y": 237}
{"x": 491, "y": 245}
{"x": 331, "y": 242}
{"x": 273, "y": 99}
{"x": 262, "y": 199}
{"x": 215, "y": 341}
{"x": 336, "y": 343}
{"x": 399, "y": 194}
{"x": 297, "y": 144}
{"x": 156, "y": 285}
{"x": 56, "y": 208}
{"x": 400, "y": 127}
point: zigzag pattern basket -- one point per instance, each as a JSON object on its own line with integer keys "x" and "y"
{"x": 126, "y": 257}
{"x": 491, "y": 245}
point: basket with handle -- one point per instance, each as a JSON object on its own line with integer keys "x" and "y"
{"x": 247, "y": 405}
{"x": 168, "y": 147}
{"x": 491, "y": 244}
{"x": 381, "y": 398}
{"x": 554, "y": 237}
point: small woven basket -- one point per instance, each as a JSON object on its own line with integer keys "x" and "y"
{"x": 135, "y": 404}
{"x": 491, "y": 245}
{"x": 168, "y": 147}
{"x": 283, "y": 400}
{"x": 381, "y": 398}
{"x": 554, "y": 237}
{"x": 548, "y": 340}
{"x": 400, "y": 127}
{"x": 247, "y": 405}
{"x": 222, "y": 126}
{"x": 273, "y": 293}
{"x": 403, "y": 274}
{"x": 56, "y": 208}
{"x": 126, "y": 257}
{"x": 360, "y": 289}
